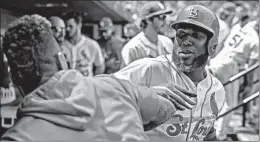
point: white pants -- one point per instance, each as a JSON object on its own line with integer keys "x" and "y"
{"x": 223, "y": 70}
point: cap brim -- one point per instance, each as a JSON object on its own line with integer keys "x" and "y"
{"x": 161, "y": 12}
{"x": 192, "y": 22}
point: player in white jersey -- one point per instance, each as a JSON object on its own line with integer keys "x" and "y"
{"x": 150, "y": 42}
{"x": 197, "y": 30}
{"x": 226, "y": 14}
{"x": 241, "y": 49}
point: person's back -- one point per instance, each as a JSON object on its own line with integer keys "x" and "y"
{"x": 82, "y": 110}
{"x": 244, "y": 45}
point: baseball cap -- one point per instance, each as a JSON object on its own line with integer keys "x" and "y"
{"x": 229, "y": 6}
{"x": 154, "y": 8}
{"x": 106, "y": 23}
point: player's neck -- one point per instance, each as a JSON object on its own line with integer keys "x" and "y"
{"x": 197, "y": 75}
{"x": 151, "y": 35}
{"x": 75, "y": 39}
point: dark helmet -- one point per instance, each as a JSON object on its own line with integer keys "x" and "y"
{"x": 202, "y": 17}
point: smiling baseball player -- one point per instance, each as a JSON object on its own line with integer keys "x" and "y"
{"x": 197, "y": 30}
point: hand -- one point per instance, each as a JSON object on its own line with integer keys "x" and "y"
{"x": 82, "y": 67}
{"x": 179, "y": 96}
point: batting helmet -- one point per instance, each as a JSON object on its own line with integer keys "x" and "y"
{"x": 202, "y": 17}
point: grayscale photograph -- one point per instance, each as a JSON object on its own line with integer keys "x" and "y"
{"x": 166, "y": 71}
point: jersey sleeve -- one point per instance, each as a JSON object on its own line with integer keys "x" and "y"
{"x": 220, "y": 95}
{"x": 128, "y": 54}
{"x": 254, "y": 48}
{"x": 138, "y": 72}
{"x": 99, "y": 58}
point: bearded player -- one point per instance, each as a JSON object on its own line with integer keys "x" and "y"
{"x": 197, "y": 30}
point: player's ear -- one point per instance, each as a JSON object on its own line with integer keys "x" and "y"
{"x": 213, "y": 49}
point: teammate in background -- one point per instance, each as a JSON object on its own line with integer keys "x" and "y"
{"x": 197, "y": 31}
{"x": 64, "y": 105}
{"x": 226, "y": 14}
{"x": 81, "y": 52}
{"x": 130, "y": 31}
{"x": 149, "y": 42}
{"x": 58, "y": 29}
{"x": 241, "y": 50}
{"x": 111, "y": 45}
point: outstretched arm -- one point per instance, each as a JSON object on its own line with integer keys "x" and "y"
{"x": 159, "y": 104}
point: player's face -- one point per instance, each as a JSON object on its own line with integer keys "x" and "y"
{"x": 58, "y": 29}
{"x": 191, "y": 51}
{"x": 71, "y": 28}
{"x": 107, "y": 33}
{"x": 225, "y": 14}
{"x": 158, "y": 23}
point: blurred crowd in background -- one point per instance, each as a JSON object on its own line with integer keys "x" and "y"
{"x": 110, "y": 51}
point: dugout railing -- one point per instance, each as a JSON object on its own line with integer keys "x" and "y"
{"x": 246, "y": 100}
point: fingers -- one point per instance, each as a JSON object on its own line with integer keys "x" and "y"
{"x": 185, "y": 91}
{"x": 184, "y": 96}
{"x": 176, "y": 97}
{"x": 177, "y": 105}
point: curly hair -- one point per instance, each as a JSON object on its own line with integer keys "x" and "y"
{"x": 20, "y": 46}
{"x": 26, "y": 31}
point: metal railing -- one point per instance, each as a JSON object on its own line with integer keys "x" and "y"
{"x": 242, "y": 73}
{"x": 248, "y": 99}
{"x": 245, "y": 101}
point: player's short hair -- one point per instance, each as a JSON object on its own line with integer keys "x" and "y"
{"x": 144, "y": 22}
{"x": 73, "y": 15}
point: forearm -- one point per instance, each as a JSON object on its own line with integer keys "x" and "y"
{"x": 164, "y": 112}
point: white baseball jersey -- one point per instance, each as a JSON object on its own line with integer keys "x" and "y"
{"x": 241, "y": 45}
{"x": 140, "y": 47}
{"x": 223, "y": 33}
{"x": 188, "y": 124}
{"x": 87, "y": 52}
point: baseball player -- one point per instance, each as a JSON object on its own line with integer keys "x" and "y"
{"x": 226, "y": 14}
{"x": 58, "y": 29}
{"x": 65, "y": 105}
{"x": 241, "y": 50}
{"x": 197, "y": 30}
{"x": 82, "y": 52}
{"x": 111, "y": 45}
{"x": 149, "y": 42}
